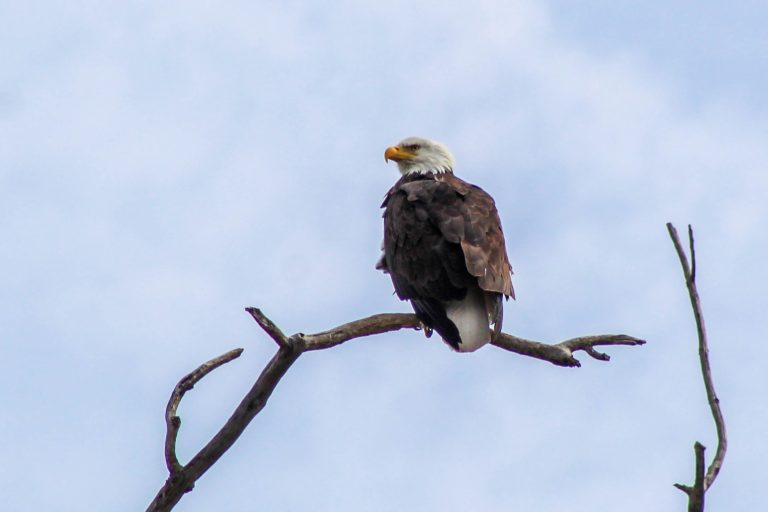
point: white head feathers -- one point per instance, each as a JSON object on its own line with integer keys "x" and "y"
{"x": 420, "y": 156}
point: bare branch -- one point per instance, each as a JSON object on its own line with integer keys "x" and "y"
{"x": 375, "y": 324}
{"x": 696, "y": 493}
{"x": 269, "y": 327}
{"x": 703, "y": 483}
{"x": 172, "y": 421}
{"x": 561, "y": 354}
{"x": 692, "y": 249}
{"x": 183, "y": 478}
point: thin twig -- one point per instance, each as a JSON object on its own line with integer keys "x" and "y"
{"x": 714, "y": 403}
{"x": 172, "y": 421}
{"x": 692, "y": 249}
{"x": 269, "y": 326}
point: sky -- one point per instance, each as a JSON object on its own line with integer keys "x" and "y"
{"x": 165, "y": 165}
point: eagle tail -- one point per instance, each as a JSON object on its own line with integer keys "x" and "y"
{"x": 470, "y": 315}
{"x": 463, "y": 324}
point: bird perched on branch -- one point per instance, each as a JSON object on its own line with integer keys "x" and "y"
{"x": 444, "y": 246}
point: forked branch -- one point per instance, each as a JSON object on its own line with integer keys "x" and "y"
{"x": 703, "y": 481}
{"x": 183, "y": 477}
{"x": 561, "y": 354}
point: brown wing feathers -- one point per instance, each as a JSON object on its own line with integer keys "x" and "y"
{"x": 443, "y": 235}
{"x": 422, "y": 262}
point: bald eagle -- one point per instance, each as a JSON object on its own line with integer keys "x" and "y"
{"x": 444, "y": 247}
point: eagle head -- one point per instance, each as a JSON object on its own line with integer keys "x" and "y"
{"x": 420, "y": 156}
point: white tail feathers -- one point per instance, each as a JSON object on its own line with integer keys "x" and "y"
{"x": 471, "y": 318}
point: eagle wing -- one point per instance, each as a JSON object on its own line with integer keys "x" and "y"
{"x": 439, "y": 234}
{"x": 483, "y": 241}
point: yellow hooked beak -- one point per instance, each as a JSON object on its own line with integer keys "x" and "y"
{"x": 397, "y": 154}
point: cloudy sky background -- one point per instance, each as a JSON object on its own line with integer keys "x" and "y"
{"x": 163, "y": 166}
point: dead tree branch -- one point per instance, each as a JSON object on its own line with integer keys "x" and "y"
{"x": 703, "y": 481}
{"x": 182, "y": 478}
{"x": 172, "y": 421}
{"x": 561, "y": 354}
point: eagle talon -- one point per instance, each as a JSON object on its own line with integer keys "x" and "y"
{"x": 427, "y": 329}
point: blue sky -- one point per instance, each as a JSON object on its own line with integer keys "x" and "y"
{"x": 162, "y": 166}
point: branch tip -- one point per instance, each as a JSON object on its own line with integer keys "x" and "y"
{"x": 269, "y": 327}
{"x": 561, "y": 354}
{"x": 597, "y": 355}
{"x": 172, "y": 420}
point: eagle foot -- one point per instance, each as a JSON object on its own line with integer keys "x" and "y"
{"x": 427, "y": 329}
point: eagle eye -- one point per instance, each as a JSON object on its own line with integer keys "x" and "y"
{"x": 413, "y": 147}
